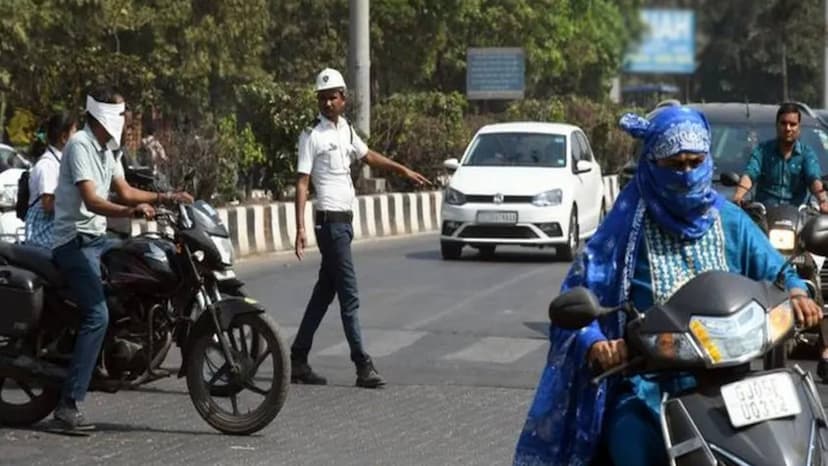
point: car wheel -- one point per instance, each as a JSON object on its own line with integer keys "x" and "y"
{"x": 487, "y": 251}
{"x": 450, "y": 251}
{"x": 568, "y": 251}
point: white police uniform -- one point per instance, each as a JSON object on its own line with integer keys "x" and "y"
{"x": 326, "y": 152}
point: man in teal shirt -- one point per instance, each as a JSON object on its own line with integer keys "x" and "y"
{"x": 783, "y": 169}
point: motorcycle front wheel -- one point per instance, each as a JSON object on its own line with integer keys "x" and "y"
{"x": 252, "y": 394}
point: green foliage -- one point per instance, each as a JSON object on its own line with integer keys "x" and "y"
{"x": 234, "y": 76}
{"x": 22, "y": 127}
{"x": 277, "y": 113}
{"x": 419, "y": 130}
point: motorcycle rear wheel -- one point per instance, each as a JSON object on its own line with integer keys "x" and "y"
{"x": 25, "y": 401}
{"x": 203, "y": 375}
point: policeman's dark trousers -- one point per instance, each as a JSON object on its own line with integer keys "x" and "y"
{"x": 336, "y": 277}
{"x": 80, "y": 264}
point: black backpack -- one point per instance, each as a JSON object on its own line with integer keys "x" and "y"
{"x": 23, "y": 204}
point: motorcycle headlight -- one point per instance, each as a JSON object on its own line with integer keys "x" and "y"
{"x": 548, "y": 198}
{"x": 736, "y": 338}
{"x": 782, "y": 240}
{"x": 225, "y": 249}
{"x": 8, "y": 195}
{"x": 454, "y": 197}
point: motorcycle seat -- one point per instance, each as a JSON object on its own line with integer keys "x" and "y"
{"x": 33, "y": 258}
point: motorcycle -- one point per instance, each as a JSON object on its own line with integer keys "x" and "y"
{"x": 782, "y": 224}
{"x": 161, "y": 288}
{"x": 146, "y": 179}
{"x": 733, "y": 415}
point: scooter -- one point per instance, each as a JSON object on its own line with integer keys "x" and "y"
{"x": 734, "y": 415}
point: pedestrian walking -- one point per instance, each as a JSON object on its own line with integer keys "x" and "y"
{"x": 326, "y": 151}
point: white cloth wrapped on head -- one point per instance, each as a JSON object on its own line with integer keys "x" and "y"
{"x": 111, "y": 117}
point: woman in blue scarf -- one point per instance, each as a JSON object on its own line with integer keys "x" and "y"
{"x": 666, "y": 227}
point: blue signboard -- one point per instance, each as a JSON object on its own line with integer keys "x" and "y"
{"x": 667, "y": 46}
{"x": 495, "y": 73}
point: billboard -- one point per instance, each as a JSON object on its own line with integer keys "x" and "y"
{"x": 495, "y": 73}
{"x": 668, "y": 46}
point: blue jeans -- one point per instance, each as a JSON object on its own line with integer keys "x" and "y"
{"x": 336, "y": 277}
{"x": 633, "y": 434}
{"x": 79, "y": 261}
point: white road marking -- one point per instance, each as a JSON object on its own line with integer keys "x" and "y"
{"x": 498, "y": 350}
{"x": 377, "y": 343}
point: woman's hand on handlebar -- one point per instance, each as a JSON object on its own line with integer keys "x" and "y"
{"x": 608, "y": 353}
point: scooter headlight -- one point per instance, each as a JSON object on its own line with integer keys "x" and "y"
{"x": 742, "y": 336}
{"x": 782, "y": 240}
{"x": 672, "y": 346}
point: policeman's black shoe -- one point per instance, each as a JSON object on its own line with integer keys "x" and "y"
{"x": 301, "y": 372}
{"x": 368, "y": 377}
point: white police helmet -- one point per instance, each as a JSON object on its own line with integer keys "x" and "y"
{"x": 329, "y": 78}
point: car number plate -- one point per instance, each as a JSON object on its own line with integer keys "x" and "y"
{"x": 760, "y": 399}
{"x": 496, "y": 216}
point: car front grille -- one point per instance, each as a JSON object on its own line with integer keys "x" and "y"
{"x": 489, "y": 199}
{"x": 498, "y": 232}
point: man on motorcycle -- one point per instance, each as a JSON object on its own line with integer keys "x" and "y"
{"x": 665, "y": 228}
{"x": 784, "y": 170}
{"x": 87, "y": 171}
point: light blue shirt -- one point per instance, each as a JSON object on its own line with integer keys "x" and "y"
{"x": 84, "y": 159}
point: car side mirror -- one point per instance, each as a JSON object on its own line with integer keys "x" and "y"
{"x": 575, "y": 309}
{"x": 583, "y": 167}
{"x": 729, "y": 179}
{"x": 452, "y": 164}
{"x": 814, "y": 235}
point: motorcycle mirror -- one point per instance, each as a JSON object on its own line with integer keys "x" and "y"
{"x": 575, "y": 309}
{"x": 814, "y": 235}
{"x": 729, "y": 179}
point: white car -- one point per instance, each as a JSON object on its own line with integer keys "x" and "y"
{"x": 523, "y": 183}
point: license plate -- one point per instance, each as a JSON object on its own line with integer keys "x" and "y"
{"x": 496, "y": 216}
{"x": 760, "y": 399}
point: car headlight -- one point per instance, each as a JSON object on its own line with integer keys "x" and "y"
{"x": 454, "y": 197}
{"x": 225, "y": 249}
{"x": 8, "y": 195}
{"x": 735, "y": 338}
{"x": 548, "y": 198}
{"x": 782, "y": 240}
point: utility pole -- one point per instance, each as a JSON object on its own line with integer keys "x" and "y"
{"x": 359, "y": 75}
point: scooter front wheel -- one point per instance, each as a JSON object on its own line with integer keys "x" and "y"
{"x": 253, "y": 389}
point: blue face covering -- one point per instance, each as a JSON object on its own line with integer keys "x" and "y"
{"x": 679, "y": 201}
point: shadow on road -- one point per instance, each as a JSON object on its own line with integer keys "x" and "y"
{"x": 103, "y": 428}
{"x": 506, "y": 256}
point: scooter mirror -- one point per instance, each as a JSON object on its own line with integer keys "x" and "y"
{"x": 574, "y": 309}
{"x": 814, "y": 235}
{"x": 729, "y": 179}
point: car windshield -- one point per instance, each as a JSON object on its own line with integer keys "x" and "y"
{"x": 733, "y": 142}
{"x": 518, "y": 150}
